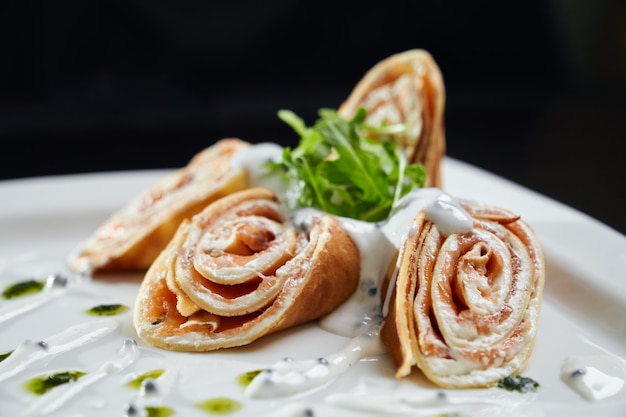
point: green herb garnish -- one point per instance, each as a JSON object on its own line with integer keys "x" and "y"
{"x": 22, "y": 288}
{"x": 518, "y": 383}
{"x": 339, "y": 168}
{"x": 42, "y": 384}
{"x": 5, "y": 355}
{"x": 246, "y": 378}
{"x": 154, "y": 374}
{"x": 107, "y": 310}
{"x": 160, "y": 411}
{"x": 219, "y": 406}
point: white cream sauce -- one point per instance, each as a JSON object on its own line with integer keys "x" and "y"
{"x": 361, "y": 312}
{"x": 292, "y": 410}
{"x": 60, "y": 395}
{"x": 595, "y": 377}
{"x": 29, "y": 352}
{"x": 440, "y": 208}
{"x": 430, "y": 403}
{"x": 289, "y": 376}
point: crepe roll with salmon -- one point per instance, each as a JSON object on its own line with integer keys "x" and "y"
{"x": 406, "y": 88}
{"x": 132, "y": 237}
{"x": 464, "y": 307}
{"x": 240, "y": 270}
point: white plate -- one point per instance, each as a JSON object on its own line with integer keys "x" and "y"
{"x": 42, "y": 219}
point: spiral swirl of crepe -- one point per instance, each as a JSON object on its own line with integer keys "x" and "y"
{"x": 464, "y": 307}
{"x": 240, "y": 270}
{"x": 132, "y": 237}
{"x": 406, "y": 88}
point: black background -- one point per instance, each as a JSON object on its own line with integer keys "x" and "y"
{"x": 536, "y": 90}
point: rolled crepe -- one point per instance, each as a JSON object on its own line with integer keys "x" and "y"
{"x": 406, "y": 88}
{"x": 238, "y": 270}
{"x": 134, "y": 235}
{"x": 464, "y": 307}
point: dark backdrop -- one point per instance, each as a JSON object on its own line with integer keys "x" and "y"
{"x": 536, "y": 90}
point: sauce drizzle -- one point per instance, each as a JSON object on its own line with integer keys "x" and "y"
{"x": 57, "y": 397}
{"x": 595, "y": 377}
{"x": 29, "y": 352}
{"x": 55, "y": 285}
{"x": 288, "y": 376}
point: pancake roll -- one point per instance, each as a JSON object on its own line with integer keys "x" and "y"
{"x": 464, "y": 307}
{"x": 240, "y": 270}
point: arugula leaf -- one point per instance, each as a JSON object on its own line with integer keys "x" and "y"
{"x": 339, "y": 169}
